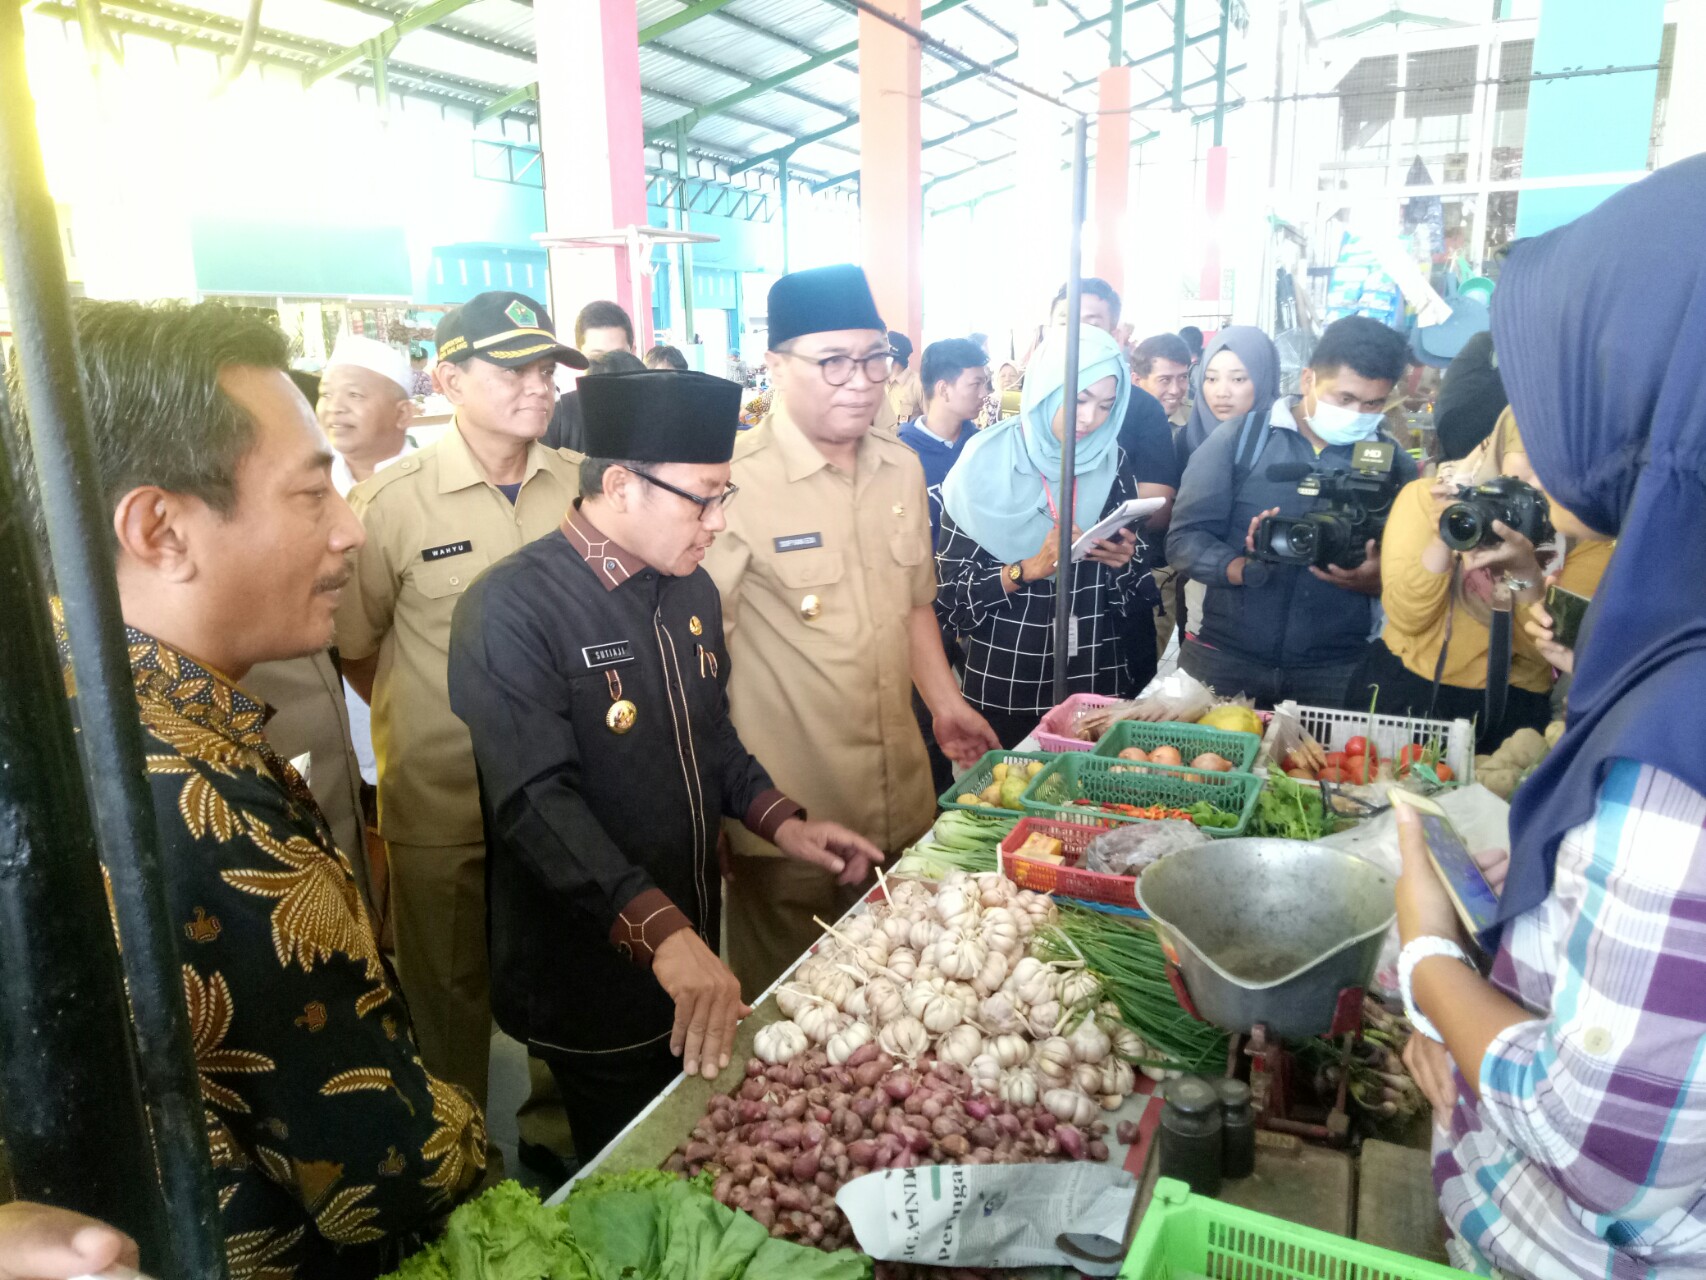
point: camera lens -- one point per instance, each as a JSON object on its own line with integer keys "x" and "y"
{"x": 1296, "y": 541}
{"x": 1461, "y": 527}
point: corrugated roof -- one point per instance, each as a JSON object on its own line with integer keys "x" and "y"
{"x": 484, "y": 51}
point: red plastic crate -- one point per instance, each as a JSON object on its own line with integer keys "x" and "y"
{"x": 1051, "y": 733}
{"x": 1067, "y": 879}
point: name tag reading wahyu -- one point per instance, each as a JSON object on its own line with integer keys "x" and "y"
{"x": 608, "y": 655}
{"x": 798, "y": 542}
{"x": 447, "y": 550}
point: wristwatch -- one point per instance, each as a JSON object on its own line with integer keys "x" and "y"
{"x": 1415, "y": 951}
{"x": 1015, "y": 573}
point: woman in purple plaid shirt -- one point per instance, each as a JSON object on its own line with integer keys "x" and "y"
{"x": 1570, "y": 1088}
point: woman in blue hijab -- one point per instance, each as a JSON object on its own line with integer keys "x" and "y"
{"x": 996, "y": 557}
{"x": 1570, "y": 1088}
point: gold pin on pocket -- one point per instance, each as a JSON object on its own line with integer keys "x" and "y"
{"x": 810, "y": 608}
{"x": 622, "y": 714}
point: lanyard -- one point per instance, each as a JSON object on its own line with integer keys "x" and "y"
{"x": 1048, "y": 494}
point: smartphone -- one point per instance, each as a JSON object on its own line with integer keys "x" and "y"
{"x": 1476, "y": 901}
{"x": 1567, "y": 610}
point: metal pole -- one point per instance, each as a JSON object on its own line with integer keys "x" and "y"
{"x": 681, "y": 220}
{"x": 1068, "y": 500}
{"x": 1116, "y": 33}
{"x": 782, "y": 166}
{"x": 1220, "y": 74}
{"x": 70, "y": 1106}
{"x": 79, "y": 533}
{"x": 1179, "y": 55}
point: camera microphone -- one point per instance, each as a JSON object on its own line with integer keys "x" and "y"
{"x": 1289, "y": 471}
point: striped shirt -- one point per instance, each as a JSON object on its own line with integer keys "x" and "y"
{"x": 1586, "y": 1153}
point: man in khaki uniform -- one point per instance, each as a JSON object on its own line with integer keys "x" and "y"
{"x": 434, "y": 520}
{"x": 828, "y": 583}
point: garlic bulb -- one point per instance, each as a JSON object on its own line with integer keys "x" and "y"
{"x": 1010, "y": 1051}
{"x": 994, "y": 889}
{"x": 961, "y": 1045}
{"x": 923, "y": 933}
{"x": 1018, "y": 1087}
{"x": 956, "y": 879}
{"x": 920, "y": 992}
{"x": 875, "y": 952}
{"x": 1089, "y": 1042}
{"x": 851, "y": 1037}
{"x": 779, "y": 1042}
{"x": 905, "y": 894}
{"x": 903, "y": 961}
{"x": 857, "y": 930}
{"x": 819, "y": 1022}
{"x": 1000, "y": 931}
{"x": 942, "y": 1014}
{"x": 790, "y": 999}
{"x": 896, "y": 929}
{"x": 834, "y": 986}
{"x": 883, "y": 1003}
{"x": 1127, "y": 1044}
{"x": 985, "y": 1074}
{"x": 1080, "y": 987}
{"x": 1000, "y": 1013}
{"x": 1071, "y": 1106}
{"x": 1117, "y": 1078}
{"x": 1109, "y": 1015}
{"x": 960, "y": 956}
{"x": 957, "y": 908}
{"x": 1032, "y": 981}
{"x": 1086, "y": 1079}
{"x": 1043, "y": 1018}
{"x": 964, "y": 992}
{"x": 991, "y": 976}
{"x": 1051, "y": 1059}
{"x": 904, "y": 1038}
{"x": 857, "y": 1005}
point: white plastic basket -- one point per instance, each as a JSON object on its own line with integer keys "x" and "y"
{"x": 1390, "y": 734}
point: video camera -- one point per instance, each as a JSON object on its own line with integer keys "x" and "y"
{"x": 1468, "y": 523}
{"x": 1358, "y": 502}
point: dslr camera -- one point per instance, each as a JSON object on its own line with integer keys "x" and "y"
{"x": 1468, "y": 523}
{"x": 1357, "y": 503}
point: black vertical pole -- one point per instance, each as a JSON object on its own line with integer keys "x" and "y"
{"x": 110, "y": 735}
{"x": 70, "y": 1107}
{"x": 1067, "y": 502}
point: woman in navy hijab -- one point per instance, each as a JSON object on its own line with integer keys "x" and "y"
{"x": 1570, "y": 1090}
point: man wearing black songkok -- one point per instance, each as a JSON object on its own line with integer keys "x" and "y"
{"x": 591, "y": 671}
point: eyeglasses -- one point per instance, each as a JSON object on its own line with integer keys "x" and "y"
{"x": 838, "y": 370}
{"x": 705, "y": 505}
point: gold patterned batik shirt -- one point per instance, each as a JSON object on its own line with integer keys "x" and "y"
{"x": 333, "y": 1148}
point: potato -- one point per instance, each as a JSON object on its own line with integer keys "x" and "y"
{"x": 968, "y": 798}
{"x": 1135, "y": 753}
{"x": 999, "y": 773}
{"x": 1033, "y": 768}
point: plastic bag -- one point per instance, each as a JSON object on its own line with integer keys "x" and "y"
{"x": 1179, "y": 696}
{"x": 1128, "y": 848}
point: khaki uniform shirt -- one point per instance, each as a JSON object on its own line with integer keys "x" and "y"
{"x": 818, "y": 571}
{"x": 433, "y": 523}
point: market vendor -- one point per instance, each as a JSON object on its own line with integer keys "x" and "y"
{"x": 1568, "y": 1086}
{"x": 591, "y": 671}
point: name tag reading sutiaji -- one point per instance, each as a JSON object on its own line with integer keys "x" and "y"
{"x": 608, "y": 655}
{"x": 798, "y": 542}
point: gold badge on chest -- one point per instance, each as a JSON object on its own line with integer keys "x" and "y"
{"x": 695, "y": 626}
{"x": 622, "y": 714}
{"x": 810, "y": 608}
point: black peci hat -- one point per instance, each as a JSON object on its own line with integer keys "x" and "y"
{"x": 508, "y": 329}
{"x": 660, "y": 415}
{"x": 822, "y": 300}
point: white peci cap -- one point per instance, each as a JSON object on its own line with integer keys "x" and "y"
{"x": 366, "y": 353}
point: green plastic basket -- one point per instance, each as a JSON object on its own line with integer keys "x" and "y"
{"x": 980, "y": 775}
{"x": 1078, "y": 775}
{"x": 1185, "y": 1236}
{"x": 1191, "y": 740}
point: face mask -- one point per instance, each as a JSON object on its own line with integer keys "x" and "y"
{"x": 1336, "y": 424}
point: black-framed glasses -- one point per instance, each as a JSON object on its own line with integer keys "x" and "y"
{"x": 838, "y": 370}
{"x": 705, "y": 505}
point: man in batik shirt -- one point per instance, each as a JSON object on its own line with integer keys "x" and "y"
{"x": 333, "y": 1147}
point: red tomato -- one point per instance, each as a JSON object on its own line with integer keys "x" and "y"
{"x": 1446, "y": 772}
{"x": 1357, "y": 746}
{"x": 1335, "y": 759}
{"x": 1415, "y": 753}
{"x": 1359, "y": 769}
{"x": 1332, "y": 773}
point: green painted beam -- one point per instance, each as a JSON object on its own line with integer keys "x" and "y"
{"x": 1087, "y": 24}
{"x": 718, "y": 68}
{"x": 511, "y": 100}
{"x": 691, "y": 13}
{"x": 1179, "y": 53}
{"x": 967, "y": 204}
{"x": 1164, "y": 52}
{"x": 973, "y": 127}
{"x": 414, "y": 20}
{"x": 782, "y": 153}
{"x": 1394, "y": 18}
{"x": 665, "y": 133}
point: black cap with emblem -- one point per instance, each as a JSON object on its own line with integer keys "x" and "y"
{"x": 508, "y": 329}
{"x": 660, "y": 415}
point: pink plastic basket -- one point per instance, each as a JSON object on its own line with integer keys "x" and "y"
{"x": 1053, "y": 733}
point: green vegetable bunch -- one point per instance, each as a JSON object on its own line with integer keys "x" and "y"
{"x": 1290, "y": 810}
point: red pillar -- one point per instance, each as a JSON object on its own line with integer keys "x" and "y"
{"x": 594, "y": 149}
{"x": 891, "y": 208}
{"x": 1113, "y": 172}
{"x": 1208, "y": 288}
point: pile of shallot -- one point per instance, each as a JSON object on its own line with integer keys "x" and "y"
{"x": 920, "y": 1032}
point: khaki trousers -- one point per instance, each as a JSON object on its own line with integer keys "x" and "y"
{"x": 771, "y": 902}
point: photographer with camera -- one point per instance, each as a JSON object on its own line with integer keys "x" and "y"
{"x": 1463, "y": 558}
{"x": 1280, "y": 517}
